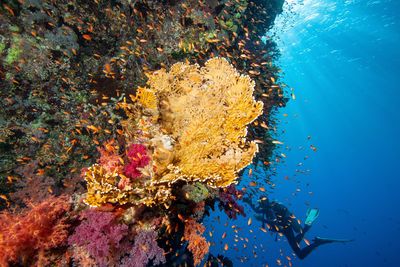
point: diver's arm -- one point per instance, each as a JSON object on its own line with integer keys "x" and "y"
{"x": 251, "y": 204}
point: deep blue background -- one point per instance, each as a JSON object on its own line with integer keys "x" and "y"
{"x": 342, "y": 60}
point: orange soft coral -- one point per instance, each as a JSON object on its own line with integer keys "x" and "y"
{"x": 109, "y": 158}
{"x": 198, "y": 245}
{"x": 41, "y": 228}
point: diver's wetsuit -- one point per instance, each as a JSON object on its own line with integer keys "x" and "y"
{"x": 279, "y": 219}
{"x": 288, "y": 226}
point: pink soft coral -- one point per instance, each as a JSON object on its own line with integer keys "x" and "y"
{"x": 100, "y": 235}
{"x": 41, "y": 228}
{"x": 145, "y": 250}
{"x": 138, "y": 158}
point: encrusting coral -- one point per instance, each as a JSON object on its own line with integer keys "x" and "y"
{"x": 189, "y": 124}
{"x": 196, "y": 192}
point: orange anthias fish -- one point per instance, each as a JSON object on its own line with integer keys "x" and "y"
{"x": 87, "y": 37}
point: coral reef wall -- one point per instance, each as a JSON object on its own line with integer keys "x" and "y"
{"x": 104, "y": 103}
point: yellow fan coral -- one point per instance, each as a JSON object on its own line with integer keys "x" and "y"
{"x": 206, "y": 111}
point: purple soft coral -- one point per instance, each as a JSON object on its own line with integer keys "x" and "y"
{"x": 228, "y": 197}
{"x": 99, "y": 234}
{"x": 144, "y": 250}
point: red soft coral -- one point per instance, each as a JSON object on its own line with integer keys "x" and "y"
{"x": 39, "y": 229}
{"x": 198, "y": 245}
{"x": 138, "y": 158}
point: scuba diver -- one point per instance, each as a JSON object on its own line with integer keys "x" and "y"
{"x": 279, "y": 219}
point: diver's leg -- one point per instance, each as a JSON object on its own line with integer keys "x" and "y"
{"x": 295, "y": 244}
{"x": 300, "y": 253}
{"x": 312, "y": 215}
{"x": 289, "y": 234}
{"x": 307, "y": 250}
{"x": 303, "y": 231}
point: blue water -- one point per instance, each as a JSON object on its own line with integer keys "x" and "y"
{"x": 342, "y": 61}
